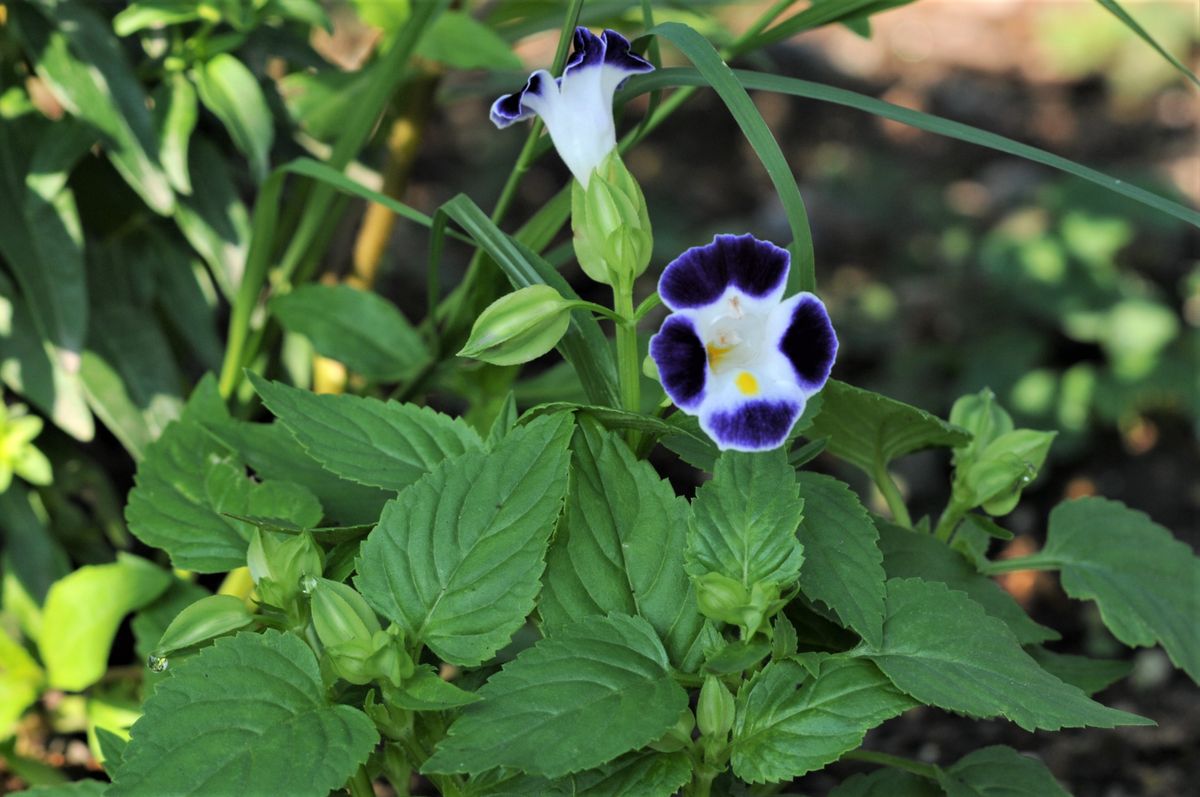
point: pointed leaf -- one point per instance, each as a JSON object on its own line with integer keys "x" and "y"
{"x": 999, "y": 771}
{"x": 456, "y": 558}
{"x": 572, "y": 702}
{"x": 231, "y": 91}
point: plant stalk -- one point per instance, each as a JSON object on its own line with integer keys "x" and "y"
{"x": 891, "y": 494}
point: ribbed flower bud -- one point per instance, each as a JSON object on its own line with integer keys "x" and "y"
{"x": 613, "y": 240}
{"x": 519, "y": 327}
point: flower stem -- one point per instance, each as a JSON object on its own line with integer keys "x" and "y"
{"x": 628, "y": 368}
{"x": 891, "y": 494}
{"x": 949, "y": 520}
{"x": 1037, "y": 561}
{"x": 895, "y": 762}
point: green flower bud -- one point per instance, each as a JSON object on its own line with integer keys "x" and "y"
{"x": 714, "y": 709}
{"x": 982, "y": 416}
{"x": 378, "y": 657}
{"x": 279, "y": 562}
{"x": 205, "y": 619}
{"x": 725, "y": 599}
{"x": 519, "y": 327}
{"x": 611, "y": 224}
{"x": 1003, "y": 469}
{"x": 340, "y": 614}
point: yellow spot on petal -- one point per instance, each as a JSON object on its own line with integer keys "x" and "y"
{"x": 747, "y": 383}
{"x": 716, "y": 354}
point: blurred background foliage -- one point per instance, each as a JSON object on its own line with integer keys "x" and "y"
{"x": 135, "y": 137}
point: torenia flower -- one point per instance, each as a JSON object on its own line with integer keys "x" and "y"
{"x": 577, "y": 108}
{"x": 733, "y": 351}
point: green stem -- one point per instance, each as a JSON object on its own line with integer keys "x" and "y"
{"x": 891, "y": 494}
{"x": 629, "y": 371}
{"x": 949, "y": 520}
{"x": 599, "y": 309}
{"x": 1037, "y": 561}
{"x": 360, "y": 784}
{"x": 895, "y": 762}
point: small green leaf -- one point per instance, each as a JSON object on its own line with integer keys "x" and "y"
{"x": 425, "y": 691}
{"x": 1145, "y": 582}
{"x": 175, "y": 114}
{"x": 999, "y": 771}
{"x": 381, "y": 444}
{"x": 456, "y": 559}
{"x": 1090, "y": 675}
{"x": 845, "y": 567}
{"x": 359, "y": 328}
{"x": 620, "y": 547}
{"x": 457, "y": 40}
{"x": 746, "y": 519}
{"x": 789, "y": 724}
{"x": 153, "y": 14}
{"x": 869, "y": 430}
{"x": 248, "y": 715}
{"x": 910, "y": 554}
{"x": 231, "y": 91}
{"x": 941, "y": 648}
{"x": 83, "y": 611}
{"x": 543, "y": 713}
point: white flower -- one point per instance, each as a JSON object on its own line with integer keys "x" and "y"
{"x": 577, "y": 108}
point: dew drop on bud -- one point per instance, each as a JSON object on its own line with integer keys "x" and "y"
{"x": 308, "y": 584}
{"x": 157, "y": 663}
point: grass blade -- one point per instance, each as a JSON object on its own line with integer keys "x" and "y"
{"x": 1131, "y": 23}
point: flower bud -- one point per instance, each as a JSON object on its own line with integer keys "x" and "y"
{"x": 715, "y": 708}
{"x": 379, "y": 657}
{"x": 203, "y": 620}
{"x": 1003, "y": 469}
{"x": 611, "y": 224}
{"x": 519, "y": 327}
{"x": 278, "y": 563}
{"x": 722, "y": 598}
{"x": 982, "y": 416}
{"x": 340, "y": 614}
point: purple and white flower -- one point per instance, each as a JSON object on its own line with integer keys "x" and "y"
{"x": 577, "y": 107}
{"x": 733, "y": 351}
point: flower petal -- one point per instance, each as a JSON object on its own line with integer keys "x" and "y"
{"x": 681, "y": 360}
{"x": 755, "y": 425}
{"x": 807, "y": 340}
{"x": 513, "y": 108}
{"x": 700, "y": 275}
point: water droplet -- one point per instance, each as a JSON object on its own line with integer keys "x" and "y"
{"x": 308, "y": 584}
{"x": 157, "y": 663}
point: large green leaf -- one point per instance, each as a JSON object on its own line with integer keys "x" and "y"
{"x": 888, "y": 783}
{"x": 746, "y": 519}
{"x": 89, "y": 74}
{"x": 458, "y": 40}
{"x": 870, "y": 430}
{"x": 230, "y": 90}
{"x": 1145, "y": 582}
{"x": 381, "y": 444}
{"x": 788, "y": 723}
{"x": 359, "y": 328}
{"x": 911, "y": 554}
{"x": 571, "y": 702}
{"x": 943, "y": 649}
{"x": 999, "y": 771}
{"x": 456, "y": 558}
{"x": 189, "y": 480}
{"x": 83, "y": 611}
{"x": 641, "y": 774}
{"x": 248, "y": 716}
{"x": 717, "y": 74}
{"x": 844, "y": 568}
{"x": 620, "y": 547}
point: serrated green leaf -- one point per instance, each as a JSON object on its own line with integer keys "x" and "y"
{"x": 887, "y": 783}
{"x": 620, "y": 547}
{"x": 745, "y": 521}
{"x": 231, "y": 91}
{"x": 943, "y": 649}
{"x": 456, "y": 558}
{"x": 90, "y": 75}
{"x": 83, "y": 611}
{"x": 381, "y": 444}
{"x": 249, "y": 716}
{"x": 910, "y": 554}
{"x": 1089, "y": 675}
{"x": 600, "y": 688}
{"x": 999, "y": 771}
{"x": 188, "y": 479}
{"x": 845, "y": 567}
{"x": 457, "y": 40}
{"x": 356, "y": 327}
{"x": 1145, "y": 582}
{"x": 789, "y": 724}
{"x": 869, "y": 430}
{"x": 642, "y": 774}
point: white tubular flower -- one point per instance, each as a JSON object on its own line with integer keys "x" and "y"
{"x": 577, "y": 108}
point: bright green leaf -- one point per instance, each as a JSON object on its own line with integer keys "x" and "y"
{"x": 457, "y": 40}
{"x": 356, "y": 327}
{"x": 457, "y": 557}
{"x": 789, "y": 724}
{"x": 943, "y": 649}
{"x": 231, "y": 91}
{"x": 248, "y": 715}
{"x": 577, "y": 700}
{"x": 381, "y": 444}
{"x": 83, "y": 611}
{"x": 175, "y": 114}
{"x": 620, "y": 547}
